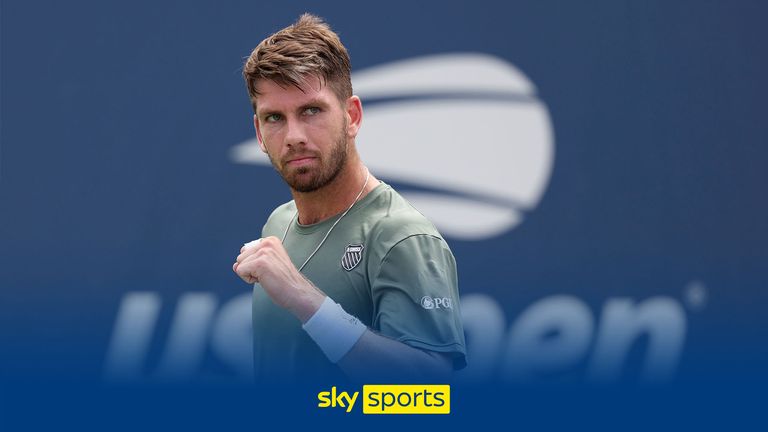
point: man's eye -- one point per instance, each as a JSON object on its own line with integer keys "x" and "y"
{"x": 272, "y": 118}
{"x": 311, "y": 110}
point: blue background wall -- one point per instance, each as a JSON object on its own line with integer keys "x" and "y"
{"x": 116, "y": 177}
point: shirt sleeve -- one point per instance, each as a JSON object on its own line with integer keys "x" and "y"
{"x": 416, "y": 298}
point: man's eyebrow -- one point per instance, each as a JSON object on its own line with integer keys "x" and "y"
{"x": 314, "y": 102}
{"x": 262, "y": 112}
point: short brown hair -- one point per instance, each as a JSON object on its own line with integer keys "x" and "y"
{"x": 306, "y": 47}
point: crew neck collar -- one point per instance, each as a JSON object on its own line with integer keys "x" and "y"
{"x": 311, "y": 228}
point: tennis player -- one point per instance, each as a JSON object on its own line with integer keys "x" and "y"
{"x": 350, "y": 279}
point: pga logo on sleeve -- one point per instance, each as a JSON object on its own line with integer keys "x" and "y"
{"x": 428, "y": 302}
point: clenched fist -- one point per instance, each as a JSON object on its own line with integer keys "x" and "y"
{"x": 267, "y": 262}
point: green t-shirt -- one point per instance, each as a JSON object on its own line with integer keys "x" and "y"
{"x": 384, "y": 263}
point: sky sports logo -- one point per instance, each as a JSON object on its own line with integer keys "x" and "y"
{"x": 391, "y": 399}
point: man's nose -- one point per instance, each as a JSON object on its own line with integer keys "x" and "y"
{"x": 295, "y": 134}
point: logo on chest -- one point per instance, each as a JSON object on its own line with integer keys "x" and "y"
{"x": 352, "y": 256}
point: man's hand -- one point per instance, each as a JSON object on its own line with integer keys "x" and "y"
{"x": 267, "y": 262}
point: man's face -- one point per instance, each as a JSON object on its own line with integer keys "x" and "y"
{"x": 303, "y": 133}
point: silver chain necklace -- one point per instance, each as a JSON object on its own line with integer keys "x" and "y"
{"x": 296, "y": 217}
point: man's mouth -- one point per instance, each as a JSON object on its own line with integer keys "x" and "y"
{"x": 301, "y": 161}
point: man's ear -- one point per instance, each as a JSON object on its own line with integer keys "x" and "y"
{"x": 258, "y": 133}
{"x": 354, "y": 115}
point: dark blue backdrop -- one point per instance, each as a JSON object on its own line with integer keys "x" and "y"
{"x": 116, "y": 177}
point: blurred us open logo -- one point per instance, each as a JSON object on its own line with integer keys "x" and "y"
{"x": 467, "y": 136}
{"x": 464, "y": 132}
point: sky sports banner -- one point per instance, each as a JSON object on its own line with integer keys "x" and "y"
{"x": 597, "y": 169}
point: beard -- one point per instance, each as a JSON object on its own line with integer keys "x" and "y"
{"x": 309, "y": 179}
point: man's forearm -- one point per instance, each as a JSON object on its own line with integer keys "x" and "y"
{"x": 373, "y": 355}
{"x": 376, "y": 356}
